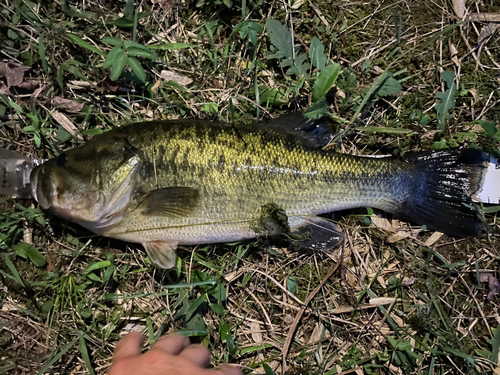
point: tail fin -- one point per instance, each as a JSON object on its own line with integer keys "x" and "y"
{"x": 447, "y": 179}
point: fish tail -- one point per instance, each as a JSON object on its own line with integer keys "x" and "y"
{"x": 446, "y": 180}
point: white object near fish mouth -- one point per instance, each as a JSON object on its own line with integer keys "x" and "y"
{"x": 489, "y": 192}
{"x": 15, "y": 170}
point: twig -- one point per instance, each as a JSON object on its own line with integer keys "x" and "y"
{"x": 293, "y": 328}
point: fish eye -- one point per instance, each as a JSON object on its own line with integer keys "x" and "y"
{"x": 61, "y": 160}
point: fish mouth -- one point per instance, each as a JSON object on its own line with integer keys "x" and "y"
{"x": 43, "y": 188}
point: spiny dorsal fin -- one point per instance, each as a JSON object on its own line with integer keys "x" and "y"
{"x": 312, "y": 133}
{"x": 176, "y": 201}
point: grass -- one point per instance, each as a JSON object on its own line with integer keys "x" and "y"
{"x": 408, "y": 77}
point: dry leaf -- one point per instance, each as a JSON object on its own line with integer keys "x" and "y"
{"x": 459, "y": 8}
{"x": 493, "y": 285}
{"x": 107, "y": 85}
{"x": 317, "y": 333}
{"x": 485, "y": 17}
{"x": 132, "y": 328}
{"x": 433, "y": 238}
{"x": 13, "y": 72}
{"x": 379, "y": 301}
{"x": 398, "y": 236}
{"x": 256, "y": 334}
{"x": 168, "y": 75}
{"x": 487, "y": 32}
{"x": 65, "y": 122}
{"x": 454, "y": 54}
{"x": 154, "y": 89}
{"x": 297, "y": 4}
{"x": 67, "y": 105}
{"x": 381, "y": 222}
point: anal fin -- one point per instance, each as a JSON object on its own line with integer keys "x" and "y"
{"x": 161, "y": 253}
{"x": 323, "y": 234}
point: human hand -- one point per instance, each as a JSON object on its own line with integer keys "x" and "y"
{"x": 170, "y": 355}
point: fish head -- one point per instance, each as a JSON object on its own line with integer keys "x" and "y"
{"x": 88, "y": 184}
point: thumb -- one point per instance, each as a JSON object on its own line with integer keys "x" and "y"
{"x": 128, "y": 347}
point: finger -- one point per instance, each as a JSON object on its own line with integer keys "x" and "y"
{"x": 197, "y": 354}
{"x": 128, "y": 347}
{"x": 230, "y": 370}
{"x": 171, "y": 344}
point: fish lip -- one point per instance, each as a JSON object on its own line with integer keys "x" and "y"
{"x": 34, "y": 182}
{"x": 43, "y": 187}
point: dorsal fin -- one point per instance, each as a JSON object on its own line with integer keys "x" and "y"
{"x": 312, "y": 133}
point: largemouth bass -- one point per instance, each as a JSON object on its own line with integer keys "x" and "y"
{"x": 187, "y": 182}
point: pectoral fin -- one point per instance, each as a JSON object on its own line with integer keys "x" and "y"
{"x": 161, "y": 253}
{"x": 174, "y": 202}
{"x": 323, "y": 234}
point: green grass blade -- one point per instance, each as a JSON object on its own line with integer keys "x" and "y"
{"x": 85, "y": 353}
{"x": 14, "y": 271}
{"x": 57, "y": 357}
{"x": 82, "y": 43}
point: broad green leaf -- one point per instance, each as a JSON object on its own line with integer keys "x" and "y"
{"x": 97, "y": 266}
{"x": 129, "y": 43}
{"x": 171, "y": 46}
{"x": 489, "y": 128}
{"x": 118, "y": 66}
{"x": 27, "y": 251}
{"x": 134, "y": 51}
{"x": 281, "y": 38}
{"x": 112, "y": 55}
{"x": 390, "y": 86}
{"x": 217, "y": 308}
{"x": 63, "y": 135}
{"x": 441, "y": 145}
{"x": 448, "y": 77}
{"x": 491, "y": 209}
{"x": 348, "y": 82}
{"x": 445, "y": 106}
{"x": 137, "y": 68}
{"x": 272, "y": 96}
{"x": 268, "y": 370}
{"x": 248, "y": 29}
{"x": 316, "y": 54}
{"x": 325, "y": 81}
{"x": 495, "y": 344}
{"x": 84, "y": 44}
{"x": 291, "y": 285}
{"x": 447, "y": 100}
{"x": 92, "y": 276}
{"x": 375, "y": 129}
{"x": 112, "y": 41}
{"x": 318, "y": 109}
{"x": 299, "y": 66}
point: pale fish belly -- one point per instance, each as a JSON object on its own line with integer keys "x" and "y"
{"x": 189, "y": 233}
